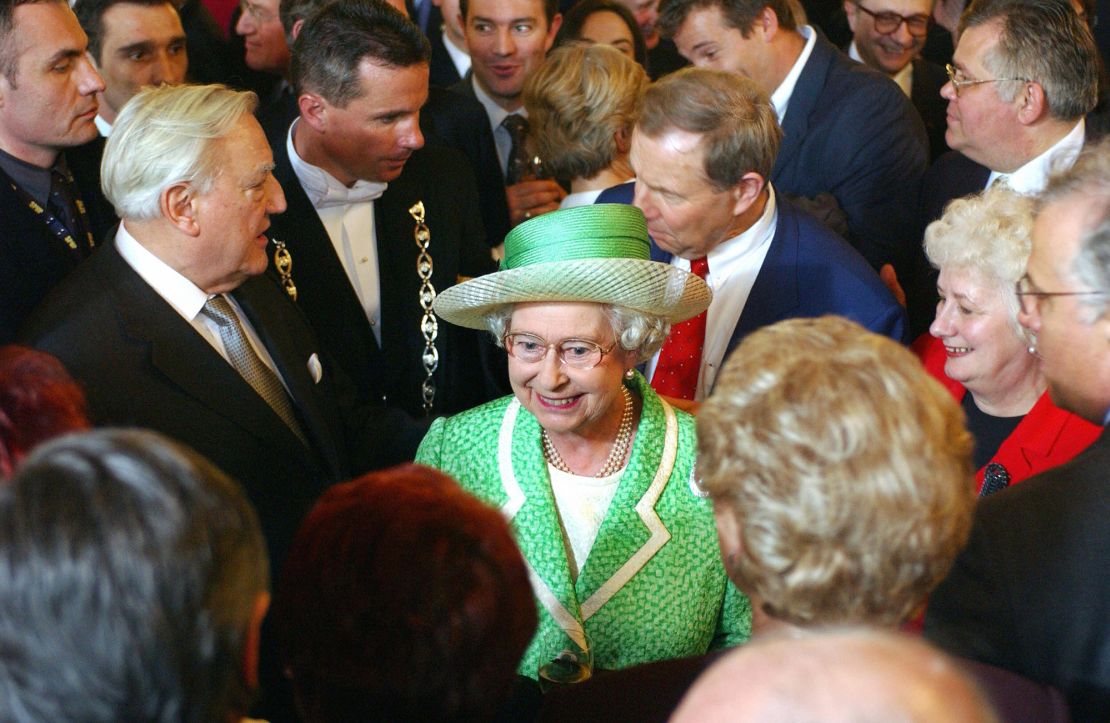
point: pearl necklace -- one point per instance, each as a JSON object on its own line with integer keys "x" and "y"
{"x": 616, "y": 454}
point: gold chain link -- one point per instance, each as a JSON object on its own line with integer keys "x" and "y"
{"x": 429, "y": 325}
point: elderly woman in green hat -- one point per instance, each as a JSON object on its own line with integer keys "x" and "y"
{"x": 594, "y": 471}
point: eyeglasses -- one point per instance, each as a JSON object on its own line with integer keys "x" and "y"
{"x": 575, "y": 353}
{"x": 887, "y": 22}
{"x": 258, "y": 13}
{"x": 958, "y": 81}
{"x": 1027, "y": 294}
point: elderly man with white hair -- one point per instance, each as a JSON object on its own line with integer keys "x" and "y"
{"x": 173, "y": 326}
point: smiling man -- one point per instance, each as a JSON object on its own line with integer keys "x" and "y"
{"x": 50, "y": 201}
{"x": 888, "y": 35}
{"x": 354, "y": 166}
{"x": 133, "y": 43}
{"x": 508, "y": 39}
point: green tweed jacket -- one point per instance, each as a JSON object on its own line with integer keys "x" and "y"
{"x": 653, "y": 586}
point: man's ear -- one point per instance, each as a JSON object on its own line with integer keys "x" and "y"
{"x": 766, "y": 24}
{"x": 1034, "y": 105}
{"x": 296, "y": 29}
{"x": 850, "y": 10}
{"x": 252, "y": 640}
{"x": 314, "y": 111}
{"x": 552, "y": 30}
{"x": 179, "y": 207}
{"x": 746, "y": 192}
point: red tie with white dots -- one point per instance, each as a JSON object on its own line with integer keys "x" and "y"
{"x": 676, "y": 372}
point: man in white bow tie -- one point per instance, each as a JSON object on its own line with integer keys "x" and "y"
{"x": 354, "y": 167}
{"x": 173, "y": 326}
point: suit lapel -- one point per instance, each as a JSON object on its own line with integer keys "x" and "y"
{"x": 795, "y": 125}
{"x": 291, "y": 364}
{"x": 632, "y": 532}
{"x": 532, "y": 512}
{"x": 187, "y": 359}
{"x": 775, "y": 291}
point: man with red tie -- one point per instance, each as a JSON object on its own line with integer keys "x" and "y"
{"x": 703, "y": 150}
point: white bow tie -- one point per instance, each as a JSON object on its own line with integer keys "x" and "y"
{"x": 333, "y": 194}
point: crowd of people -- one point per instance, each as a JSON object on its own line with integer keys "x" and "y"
{"x": 550, "y": 360}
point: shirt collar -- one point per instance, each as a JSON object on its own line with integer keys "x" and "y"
{"x": 780, "y": 99}
{"x": 180, "y": 293}
{"x": 103, "y": 126}
{"x": 494, "y": 112}
{"x": 1031, "y": 178}
{"x": 747, "y": 240}
{"x": 35, "y": 180}
{"x": 322, "y": 188}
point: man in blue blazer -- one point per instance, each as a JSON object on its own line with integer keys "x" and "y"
{"x": 702, "y": 150}
{"x": 853, "y": 149}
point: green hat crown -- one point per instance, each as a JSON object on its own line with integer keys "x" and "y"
{"x": 598, "y": 231}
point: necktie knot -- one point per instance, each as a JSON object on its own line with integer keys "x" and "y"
{"x": 700, "y": 267}
{"x": 218, "y": 310}
{"x": 516, "y": 125}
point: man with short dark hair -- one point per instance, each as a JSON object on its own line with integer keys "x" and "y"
{"x": 703, "y": 149}
{"x": 508, "y": 39}
{"x": 853, "y": 146}
{"x": 354, "y": 172}
{"x": 53, "y": 212}
{"x": 132, "y": 585}
{"x": 1030, "y": 592}
{"x": 132, "y": 43}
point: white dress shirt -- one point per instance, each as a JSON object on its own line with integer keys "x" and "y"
{"x": 185, "y": 297}
{"x": 733, "y": 268}
{"x": 780, "y": 99}
{"x": 102, "y": 126}
{"x": 459, "y": 57}
{"x": 1031, "y": 178}
{"x": 348, "y": 217}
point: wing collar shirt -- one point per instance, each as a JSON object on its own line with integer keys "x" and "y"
{"x": 780, "y": 99}
{"x": 733, "y": 268}
{"x": 185, "y": 297}
{"x": 348, "y": 217}
{"x": 1030, "y": 179}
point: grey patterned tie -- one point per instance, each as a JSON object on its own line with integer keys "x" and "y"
{"x": 243, "y": 357}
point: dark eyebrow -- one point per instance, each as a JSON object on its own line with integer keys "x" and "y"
{"x": 64, "y": 54}
{"x": 142, "y": 45}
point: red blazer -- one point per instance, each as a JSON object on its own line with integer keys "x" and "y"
{"x": 1047, "y": 436}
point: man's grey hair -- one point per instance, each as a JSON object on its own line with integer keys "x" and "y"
{"x": 166, "y": 135}
{"x": 130, "y": 574}
{"x": 1043, "y": 41}
{"x": 1090, "y": 179}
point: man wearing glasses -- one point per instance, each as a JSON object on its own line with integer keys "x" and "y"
{"x": 1030, "y": 591}
{"x": 888, "y": 35}
{"x": 853, "y": 146}
{"x": 1022, "y": 79}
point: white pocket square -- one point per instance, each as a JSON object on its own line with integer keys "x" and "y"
{"x": 315, "y": 370}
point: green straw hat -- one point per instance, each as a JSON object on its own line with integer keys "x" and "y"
{"x": 598, "y": 253}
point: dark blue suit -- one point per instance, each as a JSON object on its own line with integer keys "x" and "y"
{"x": 808, "y": 271}
{"x": 851, "y": 132}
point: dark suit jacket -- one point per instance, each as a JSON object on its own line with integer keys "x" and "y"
{"x": 471, "y": 371}
{"x": 808, "y": 271}
{"x": 32, "y": 259}
{"x": 1031, "y": 592}
{"x": 851, "y": 132}
{"x": 443, "y": 70}
{"x": 933, "y": 109}
{"x": 142, "y": 365}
